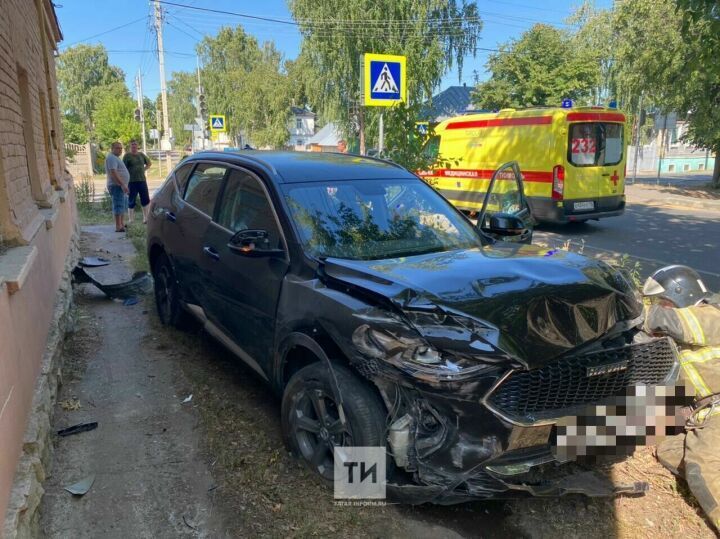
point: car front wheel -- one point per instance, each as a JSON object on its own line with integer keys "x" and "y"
{"x": 311, "y": 421}
{"x": 167, "y": 294}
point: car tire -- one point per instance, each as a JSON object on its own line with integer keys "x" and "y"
{"x": 167, "y": 295}
{"x": 310, "y": 390}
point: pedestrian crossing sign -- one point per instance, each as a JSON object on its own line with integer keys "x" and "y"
{"x": 384, "y": 82}
{"x": 217, "y": 123}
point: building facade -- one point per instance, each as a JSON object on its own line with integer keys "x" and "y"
{"x": 302, "y": 128}
{"x": 38, "y": 233}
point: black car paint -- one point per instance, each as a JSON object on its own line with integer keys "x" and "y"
{"x": 523, "y": 306}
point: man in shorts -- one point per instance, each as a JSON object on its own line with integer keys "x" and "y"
{"x": 117, "y": 184}
{"x": 137, "y": 163}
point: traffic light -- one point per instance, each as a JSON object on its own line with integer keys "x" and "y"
{"x": 137, "y": 115}
{"x": 203, "y": 106}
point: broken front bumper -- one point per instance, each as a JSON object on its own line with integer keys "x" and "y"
{"x": 494, "y": 438}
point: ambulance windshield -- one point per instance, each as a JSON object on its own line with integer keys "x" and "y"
{"x": 595, "y": 144}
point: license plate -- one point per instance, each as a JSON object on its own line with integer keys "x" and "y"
{"x": 584, "y": 206}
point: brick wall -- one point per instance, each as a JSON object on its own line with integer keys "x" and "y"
{"x": 27, "y": 94}
{"x": 37, "y": 229}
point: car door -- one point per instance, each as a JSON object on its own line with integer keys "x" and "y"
{"x": 192, "y": 218}
{"x": 244, "y": 283}
{"x": 505, "y": 214}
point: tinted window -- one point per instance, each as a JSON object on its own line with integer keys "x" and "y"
{"x": 595, "y": 144}
{"x": 204, "y": 185}
{"x": 181, "y": 177}
{"x": 245, "y": 206}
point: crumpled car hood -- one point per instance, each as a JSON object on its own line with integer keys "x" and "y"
{"x": 543, "y": 302}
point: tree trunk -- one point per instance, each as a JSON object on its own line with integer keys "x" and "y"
{"x": 716, "y": 171}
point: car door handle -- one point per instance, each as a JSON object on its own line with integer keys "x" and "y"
{"x": 170, "y": 216}
{"x": 212, "y": 253}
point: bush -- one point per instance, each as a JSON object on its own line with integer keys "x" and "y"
{"x": 85, "y": 191}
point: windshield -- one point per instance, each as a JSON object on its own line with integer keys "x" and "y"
{"x": 375, "y": 219}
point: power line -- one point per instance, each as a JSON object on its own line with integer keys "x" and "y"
{"x": 105, "y": 32}
{"x": 334, "y": 22}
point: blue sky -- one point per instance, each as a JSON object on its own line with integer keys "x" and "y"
{"x": 132, "y": 46}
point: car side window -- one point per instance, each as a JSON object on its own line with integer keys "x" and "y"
{"x": 181, "y": 177}
{"x": 204, "y": 185}
{"x": 245, "y": 206}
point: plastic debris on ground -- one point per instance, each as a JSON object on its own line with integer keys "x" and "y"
{"x": 81, "y": 487}
{"x": 139, "y": 284}
{"x": 93, "y": 261}
{"x": 76, "y": 429}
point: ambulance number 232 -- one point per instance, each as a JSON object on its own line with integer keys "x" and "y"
{"x": 583, "y": 145}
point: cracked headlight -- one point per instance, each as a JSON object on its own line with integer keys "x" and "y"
{"x": 411, "y": 353}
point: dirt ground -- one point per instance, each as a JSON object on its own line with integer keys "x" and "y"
{"x": 216, "y": 466}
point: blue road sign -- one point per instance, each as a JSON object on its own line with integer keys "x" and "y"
{"x": 384, "y": 80}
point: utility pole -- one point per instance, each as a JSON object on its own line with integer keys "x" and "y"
{"x": 157, "y": 142}
{"x": 165, "y": 143}
{"x": 138, "y": 88}
{"x": 637, "y": 138}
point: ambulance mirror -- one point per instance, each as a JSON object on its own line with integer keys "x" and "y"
{"x": 505, "y": 214}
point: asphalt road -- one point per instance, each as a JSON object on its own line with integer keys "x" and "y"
{"x": 653, "y": 236}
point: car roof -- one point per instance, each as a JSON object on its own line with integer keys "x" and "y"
{"x": 293, "y": 167}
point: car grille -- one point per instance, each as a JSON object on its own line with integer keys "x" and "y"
{"x": 548, "y": 392}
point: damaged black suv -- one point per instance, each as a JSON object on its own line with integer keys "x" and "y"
{"x": 385, "y": 317}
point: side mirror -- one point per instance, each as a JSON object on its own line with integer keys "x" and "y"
{"x": 253, "y": 242}
{"x": 507, "y": 227}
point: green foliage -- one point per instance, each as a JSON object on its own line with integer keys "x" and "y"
{"x": 85, "y": 192}
{"x": 114, "y": 118}
{"x": 81, "y": 70}
{"x": 74, "y": 129}
{"x": 539, "y": 69}
{"x": 182, "y": 90}
{"x": 650, "y": 57}
{"x": 403, "y": 142}
{"x": 433, "y": 34}
{"x": 246, "y": 82}
{"x": 700, "y": 29}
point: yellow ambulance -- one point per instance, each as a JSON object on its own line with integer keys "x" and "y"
{"x": 572, "y": 159}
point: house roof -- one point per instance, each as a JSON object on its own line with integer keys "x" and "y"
{"x": 298, "y": 111}
{"x": 327, "y": 136}
{"x": 453, "y": 101}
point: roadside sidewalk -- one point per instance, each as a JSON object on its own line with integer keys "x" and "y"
{"x": 151, "y": 479}
{"x": 650, "y": 195}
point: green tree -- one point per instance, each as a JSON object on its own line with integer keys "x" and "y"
{"x": 596, "y": 39}
{"x": 114, "y": 118}
{"x": 539, "y": 69}
{"x": 700, "y": 28}
{"x": 182, "y": 90}
{"x": 80, "y": 71}
{"x": 247, "y": 83}
{"x": 432, "y": 34}
{"x": 74, "y": 129}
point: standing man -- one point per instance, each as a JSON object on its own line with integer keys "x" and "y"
{"x": 342, "y": 146}
{"x": 117, "y": 183}
{"x": 137, "y": 163}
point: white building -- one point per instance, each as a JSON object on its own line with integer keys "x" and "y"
{"x": 302, "y": 127}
